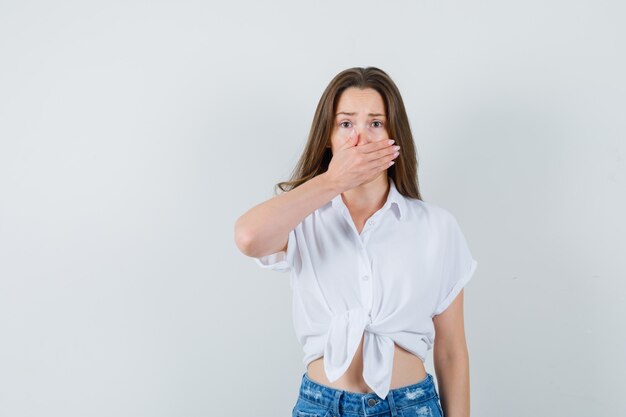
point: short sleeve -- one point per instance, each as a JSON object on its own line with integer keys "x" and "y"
{"x": 458, "y": 265}
{"x": 280, "y": 261}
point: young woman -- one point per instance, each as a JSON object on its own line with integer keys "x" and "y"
{"x": 376, "y": 271}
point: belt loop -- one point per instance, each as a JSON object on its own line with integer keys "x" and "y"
{"x": 335, "y": 406}
{"x": 392, "y": 404}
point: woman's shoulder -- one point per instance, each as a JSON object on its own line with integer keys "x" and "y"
{"x": 426, "y": 210}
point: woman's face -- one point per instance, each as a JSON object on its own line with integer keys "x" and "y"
{"x": 361, "y": 113}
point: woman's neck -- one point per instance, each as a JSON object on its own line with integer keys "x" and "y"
{"x": 367, "y": 197}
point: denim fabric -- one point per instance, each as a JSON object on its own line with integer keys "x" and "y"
{"x": 417, "y": 400}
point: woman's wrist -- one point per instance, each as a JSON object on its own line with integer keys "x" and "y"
{"x": 329, "y": 183}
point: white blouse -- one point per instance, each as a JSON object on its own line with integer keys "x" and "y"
{"x": 408, "y": 264}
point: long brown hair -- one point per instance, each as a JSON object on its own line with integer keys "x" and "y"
{"x": 316, "y": 156}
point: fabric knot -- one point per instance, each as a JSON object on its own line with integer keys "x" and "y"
{"x": 344, "y": 336}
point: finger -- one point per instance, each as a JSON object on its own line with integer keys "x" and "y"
{"x": 376, "y": 146}
{"x": 383, "y": 155}
{"x": 384, "y": 162}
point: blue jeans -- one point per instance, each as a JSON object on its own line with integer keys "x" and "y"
{"x": 417, "y": 400}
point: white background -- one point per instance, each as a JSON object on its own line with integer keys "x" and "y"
{"x": 133, "y": 134}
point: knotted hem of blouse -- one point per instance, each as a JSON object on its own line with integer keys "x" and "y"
{"x": 344, "y": 335}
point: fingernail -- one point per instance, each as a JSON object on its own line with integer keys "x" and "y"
{"x": 391, "y": 141}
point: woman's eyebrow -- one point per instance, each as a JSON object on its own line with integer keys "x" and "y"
{"x": 353, "y": 113}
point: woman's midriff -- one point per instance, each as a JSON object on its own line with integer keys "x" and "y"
{"x": 407, "y": 369}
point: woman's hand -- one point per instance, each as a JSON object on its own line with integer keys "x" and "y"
{"x": 353, "y": 165}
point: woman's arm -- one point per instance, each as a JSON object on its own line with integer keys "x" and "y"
{"x": 451, "y": 360}
{"x": 264, "y": 229}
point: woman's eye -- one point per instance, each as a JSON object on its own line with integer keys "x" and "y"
{"x": 342, "y": 124}
{"x": 379, "y": 123}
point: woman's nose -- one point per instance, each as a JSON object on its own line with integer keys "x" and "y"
{"x": 363, "y": 134}
{"x": 358, "y": 135}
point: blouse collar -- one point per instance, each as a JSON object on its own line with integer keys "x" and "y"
{"x": 394, "y": 198}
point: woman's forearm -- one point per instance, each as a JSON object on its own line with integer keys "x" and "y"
{"x": 265, "y": 227}
{"x": 453, "y": 383}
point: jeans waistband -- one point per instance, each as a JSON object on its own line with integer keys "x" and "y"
{"x": 367, "y": 403}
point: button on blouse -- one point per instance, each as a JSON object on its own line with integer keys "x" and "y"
{"x": 386, "y": 283}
